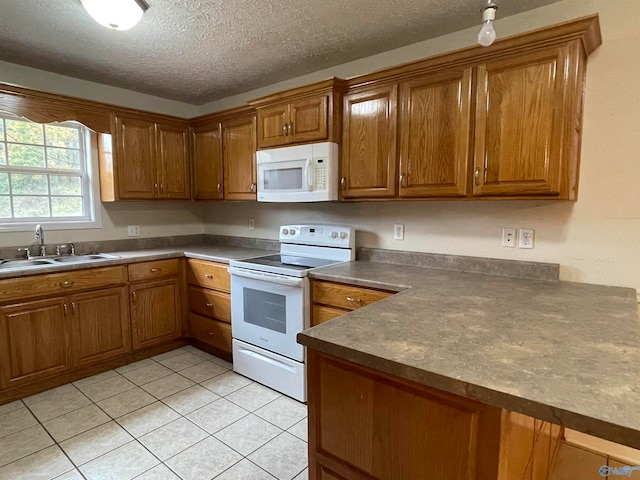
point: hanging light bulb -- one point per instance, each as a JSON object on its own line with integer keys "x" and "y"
{"x": 487, "y": 34}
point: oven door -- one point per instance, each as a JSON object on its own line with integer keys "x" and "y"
{"x": 268, "y": 310}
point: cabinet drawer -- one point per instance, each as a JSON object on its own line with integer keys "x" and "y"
{"x": 345, "y": 296}
{"x": 321, "y": 314}
{"x": 212, "y": 332}
{"x": 156, "y": 269}
{"x": 60, "y": 283}
{"x": 209, "y": 275}
{"x": 210, "y": 303}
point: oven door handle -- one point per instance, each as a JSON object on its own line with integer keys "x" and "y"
{"x": 267, "y": 277}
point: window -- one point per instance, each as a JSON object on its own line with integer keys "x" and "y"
{"x": 45, "y": 173}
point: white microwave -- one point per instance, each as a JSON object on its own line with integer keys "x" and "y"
{"x": 303, "y": 173}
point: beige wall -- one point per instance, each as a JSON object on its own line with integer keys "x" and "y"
{"x": 74, "y": 87}
{"x": 595, "y": 239}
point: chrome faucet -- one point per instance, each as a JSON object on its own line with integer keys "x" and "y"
{"x": 40, "y": 236}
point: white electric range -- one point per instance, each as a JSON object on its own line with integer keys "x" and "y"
{"x": 270, "y": 304}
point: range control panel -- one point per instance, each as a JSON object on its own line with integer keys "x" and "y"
{"x": 322, "y": 235}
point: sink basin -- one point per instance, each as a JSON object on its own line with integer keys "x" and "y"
{"x": 9, "y": 264}
{"x": 44, "y": 262}
{"x": 84, "y": 258}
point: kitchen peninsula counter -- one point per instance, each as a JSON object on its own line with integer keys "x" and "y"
{"x": 562, "y": 352}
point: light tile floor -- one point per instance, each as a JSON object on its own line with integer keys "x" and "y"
{"x": 180, "y": 415}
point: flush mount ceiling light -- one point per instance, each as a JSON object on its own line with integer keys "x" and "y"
{"x": 116, "y": 14}
{"x": 487, "y": 34}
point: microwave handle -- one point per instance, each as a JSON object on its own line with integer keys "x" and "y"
{"x": 309, "y": 174}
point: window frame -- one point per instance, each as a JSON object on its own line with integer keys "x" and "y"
{"x": 89, "y": 181}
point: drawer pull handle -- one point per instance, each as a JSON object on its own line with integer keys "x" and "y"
{"x": 155, "y": 270}
{"x": 209, "y": 305}
{"x": 67, "y": 283}
{"x": 210, "y": 334}
{"x": 356, "y": 300}
{"x": 73, "y": 308}
{"x": 209, "y": 276}
{"x": 133, "y": 294}
{"x": 66, "y": 312}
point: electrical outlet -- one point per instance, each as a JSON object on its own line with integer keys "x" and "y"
{"x": 133, "y": 230}
{"x": 252, "y": 224}
{"x": 526, "y": 237}
{"x": 509, "y": 237}
{"x": 398, "y": 231}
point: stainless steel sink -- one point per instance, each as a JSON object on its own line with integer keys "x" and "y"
{"x": 92, "y": 257}
{"x": 52, "y": 261}
{"x": 10, "y": 264}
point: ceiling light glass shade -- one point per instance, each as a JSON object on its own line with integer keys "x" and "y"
{"x": 116, "y": 14}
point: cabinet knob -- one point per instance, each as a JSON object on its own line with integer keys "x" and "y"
{"x": 209, "y": 276}
{"x": 210, "y": 334}
{"x": 209, "y": 305}
{"x": 219, "y": 188}
{"x": 401, "y": 180}
{"x": 155, "y": 270}
{"x": 253, "y": 188}
{"x": 290, "y": 128}
{"x": 355, "y": 300}
{"x": 343, "y": 180}
{"x": 284, "y": 128}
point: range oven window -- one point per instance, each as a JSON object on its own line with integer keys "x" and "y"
{"x": 283, "y": 179}
{"x": 265, "y": 309}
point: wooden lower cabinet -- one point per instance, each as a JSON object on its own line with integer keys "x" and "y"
{"x": 210, "y": 305}
{"x": 330, "y": 299}
{"x": 155, "y": 312}
{"x": 364, "y": 424}
{"x": 100, "y": 325}
{"x": 34, "y": 341}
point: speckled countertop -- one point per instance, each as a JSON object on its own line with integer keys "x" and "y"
{"x": 563, "y": 352}
{"x": 214, "y": 253}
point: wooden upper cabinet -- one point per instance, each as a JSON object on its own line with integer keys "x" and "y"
{"x": 34, "y": 341}
{"x": 308, "y": 118}
{"x": 206, "y": 153}
{"x": 300, "y": 115}
{"x": 273, "y": 123}
{"x": 524, "y": 104}
{"x": 135, "y": 158}
{"x": 296, "y": 122}
{"x": 368, "y": 162}
{"x": 143, "y": 159}
{"x": 173, "y": 161}
{"x": 239, "y": 158}
{"x": 435, "y": 123}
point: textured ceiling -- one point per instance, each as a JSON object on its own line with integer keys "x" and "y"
{"x": 202, "y": 50}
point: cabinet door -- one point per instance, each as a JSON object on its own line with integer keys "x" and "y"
{"x": 519, "y": 117}
{"x": 308, "y": 119}
{"x": 136, "y": 158}
{"x": 369, "y": 161}
{"x": 34, "y": 341}
{"x": 239, "y": 154}
{"x": 272, "y": 126}
{"x": 435, "y": 123}
{"x": 207, "y": 162}
{"x": 173, "y": 161}
{"x": 155, "y": 312}
{"x": 100, "y": 325}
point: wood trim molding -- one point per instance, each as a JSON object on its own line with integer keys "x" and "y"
{"x": 44, "y": 107}
{"x": 221, "y": 116}
{"x": 334, "y": 84}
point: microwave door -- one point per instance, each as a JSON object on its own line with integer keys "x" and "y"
{"x": 284, "y": 177}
